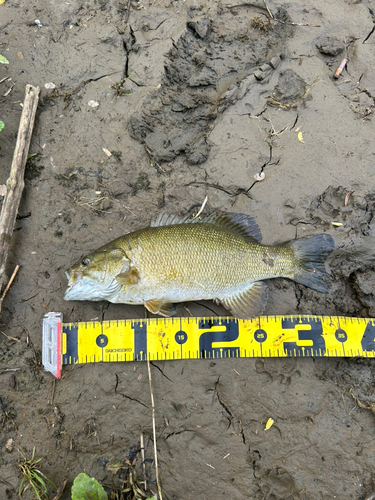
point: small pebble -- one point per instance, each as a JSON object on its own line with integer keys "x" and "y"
{"x": 12, "y": 382}
{"x": 259, "y": 176}
{"x": 93, "y": 104}
{"x": 290, "y": 204}
{"x": 9, "y": 445}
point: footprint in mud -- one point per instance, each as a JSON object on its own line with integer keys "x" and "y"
{"x": 276, "y": 484}
{"x": 203, "y": 77}
{"x": 349, "y": 218}
{"x": 282, "y": 370}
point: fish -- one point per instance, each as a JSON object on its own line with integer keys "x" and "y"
{"x": 218, "y": 257}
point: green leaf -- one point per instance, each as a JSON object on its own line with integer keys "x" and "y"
{"x": 45, "y": 477}
{"x": 20, "y": 488}
{"x": 152, "y": 498}
{"x": 36, "y": 477}
{"x": 87, "y": 488}
{"x": 36, "y": 491}
{"x": 3, "y": 60}
{"x": 1, "y": 125}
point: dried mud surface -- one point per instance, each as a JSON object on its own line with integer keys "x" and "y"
{"x": 194, "y": 99}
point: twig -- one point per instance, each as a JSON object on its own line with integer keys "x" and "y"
{"x": 127, "y": 12}
{"x": 187, "y": 309}
{"x": 8, "y": 285}
{"x": 53, "y": 391}
{"x": 268, "y": 10}
{"x": 9, "y": 90}
{"x": 61, "y": 489}
{"x": 154, "y": 430}
{"x": 298, "y": 24}
{"x": 202, "y": 208}
{"x": 10, "y": 281}
{"x": 11, "y": 338}
{"x": 371, "y": 406}
{"x": 288, "y": 22}
{"x": 16, "y": 183}
{"x": 10, "y": 370}
{"x": 143, "y": 461}
{"x": 154, "y": 163}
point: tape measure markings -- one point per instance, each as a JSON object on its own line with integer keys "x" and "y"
{"x": 211, "y": 338}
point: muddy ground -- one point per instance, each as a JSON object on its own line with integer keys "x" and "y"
{"x": 193, "y": 99}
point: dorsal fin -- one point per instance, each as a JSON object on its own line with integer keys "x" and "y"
{"x": 241, "y": 224}
{"x": 165, "y": 219}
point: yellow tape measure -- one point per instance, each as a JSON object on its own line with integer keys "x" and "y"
{"x": 196, "y": 338}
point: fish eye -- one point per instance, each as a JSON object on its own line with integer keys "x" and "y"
{"x": 85, "y": 262}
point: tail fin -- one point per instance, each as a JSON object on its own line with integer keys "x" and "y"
{"x": 310, "y": 254}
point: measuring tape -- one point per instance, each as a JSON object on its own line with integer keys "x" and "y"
{"x": 203, "y": 338}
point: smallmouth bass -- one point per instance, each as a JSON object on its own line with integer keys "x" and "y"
{"x": 218, "y": 258}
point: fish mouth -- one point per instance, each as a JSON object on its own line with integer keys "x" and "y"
{"x": 73, "y": 279}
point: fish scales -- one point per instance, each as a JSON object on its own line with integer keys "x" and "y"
{"x": 201, "y": 259}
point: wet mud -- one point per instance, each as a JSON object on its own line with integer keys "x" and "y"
{"x": 190, "y": 99}
{"x": 202, "y": 78}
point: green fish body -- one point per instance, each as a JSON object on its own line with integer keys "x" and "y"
{"x": 219, "y": 257}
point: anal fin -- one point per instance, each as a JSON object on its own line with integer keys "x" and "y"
{"x": 159, "y": 306}
{"x": 249, "y": 303}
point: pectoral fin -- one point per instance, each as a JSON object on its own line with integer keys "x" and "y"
{"x": 248, "y": 304}
{"x": 130, "y": 277}
{"x": 159, "y": 306}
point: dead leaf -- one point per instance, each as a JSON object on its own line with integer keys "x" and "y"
{"x": 114, "y": 467}
{"x": 269, "y": 424}
{"x": 108, "y": 153}
{"x": 20, "y": 55}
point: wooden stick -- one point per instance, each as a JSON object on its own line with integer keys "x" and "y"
{"x": 154, "y": 429}
{"x": 16, "y": 183}
{"x": 9, "y": 284}
{"x": 53, "y": 391}
{"x": 60, "y": 490}
{"x": 143, "y": 462}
